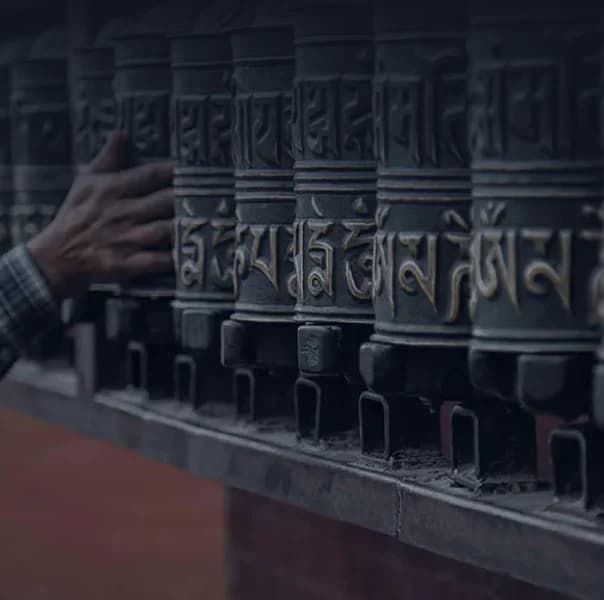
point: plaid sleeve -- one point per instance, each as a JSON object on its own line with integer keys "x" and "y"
{"x": 27, "y": 307}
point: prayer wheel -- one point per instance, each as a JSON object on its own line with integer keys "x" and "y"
{"x": 259, "y": 339}
{"x": 422, "y": 245}
{"x": 335, "y": 181}
{"x": 205, "y": 210}
{"x": 534, "y": 131}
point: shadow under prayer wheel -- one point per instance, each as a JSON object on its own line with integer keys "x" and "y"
{"x": 259, "y": 340}
{"x": 422, "y": 245}
{"x": 335, "y": 210}
{"x": 534, "y": 130}
{"x": 204, "y": 189}
{"x": 42, "y": 160}
{"x": 141, "y": 314}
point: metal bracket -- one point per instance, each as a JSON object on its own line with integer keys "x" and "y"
{"x": 576, "y": 453}
{"x": 493, "y": 448}
{"x": 259, "y": 394}
{"x": 390, "y": 423}
{"x": 186, "y": 387}
{"x": 137, "y": 366}
{"x": 325, "y": 406}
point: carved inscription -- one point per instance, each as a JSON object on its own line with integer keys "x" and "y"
{"x": 95, "y": 117}
{"x": 536, "y": 261}
{"x": 204, "y": 248}
{"x": 262, "y": 131}
{"x": 146, "y": 119}
{"x": 332, "y": 119}
{"x": 420, "y": 119}
{"x": 545, "y": 107}
{"x": 319, "y": 264}
{"x": 258, "y": 251}
{"x": 201, "y": 130}
{"x": 41, "y": 134}
{"x": 410, "y": 263}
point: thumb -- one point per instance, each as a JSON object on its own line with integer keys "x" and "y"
{"x": 113, "y": 155}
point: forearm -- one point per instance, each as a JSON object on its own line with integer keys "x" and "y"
{"x": 27, "y": 306}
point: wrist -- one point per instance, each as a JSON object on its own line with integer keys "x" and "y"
{"x": 50, "y": 265}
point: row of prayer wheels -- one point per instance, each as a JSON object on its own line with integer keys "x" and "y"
{"x": 381, "y": 206}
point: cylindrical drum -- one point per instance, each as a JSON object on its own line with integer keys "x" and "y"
{"x": 94, "y": 113}
{"x": 597, "y": 408}
{"x": 536, "y": 189}
{"x": 9, "y": 52}
{"x": 264, "y": 269}
{"x": 6, "y": 174}
{"x": 259, "y": 339}
{"x": 422, "y": 245}
{"x": 143, "y": 84}
{"x": 334, "y": 168}
{"x": 41, "y": 143}
{"x": 335, "y": 182}
{"x": 203, "y": 186}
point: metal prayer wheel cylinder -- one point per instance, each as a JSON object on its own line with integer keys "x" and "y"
{"x": 205, "y": 204}
{"x": 260, "y": 335}
{"x": 6, "y": 173}
{"x": 10, "y": 51}
{"x": 143, "y": 84}
{"x": 41, "y": 144}
{"x": 534, "y": 130}
{"x": 95, "y": 110}
{"x": 142, "y": 87}
{"x": 335, "y": 203}
{"x": 422, "y": 244}
{"x": 597, "y": 405}
{"x": 99, "y": 362}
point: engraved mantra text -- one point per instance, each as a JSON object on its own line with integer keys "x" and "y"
{"x": 422, "y": 117}
{"x": 535, "y": 104}
{"x": 418, "y": 272}
{"x": 258, "y": 249}
{"x": 497, "y": 270}
{"x": 332, "y": 118}
{"x": 190, "y": 247}
{"x": 312, "y": 242}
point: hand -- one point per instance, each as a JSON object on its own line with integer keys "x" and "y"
{"x": 114, "y": 224}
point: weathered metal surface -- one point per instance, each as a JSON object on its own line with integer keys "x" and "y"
{"x": 334, "y": 169}
{"x": 421, "y": 261}
{"x": 203, "y": 182}
{"x": 597, "y": 403}
{"x": 536, "y": 174}
{"x": 143, "y": 86}
{"x": 335, "y": 206}
{"x": 261, "y": 332}
{"x": 93, "y": 95}
{"x": 142, "y": 316}
{"x": 10, "y": 51}
{"x": 41, "y": 144}
{"x": 264, "y": 270}
{"x": 423, "y": 241}
{"x": 205, "y": 206}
